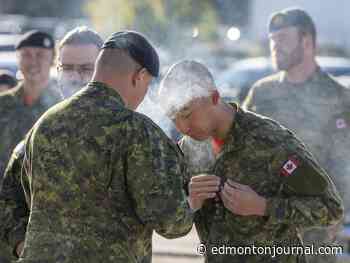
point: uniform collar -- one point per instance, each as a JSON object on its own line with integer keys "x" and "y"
{"x": 317, "y": 75}
{"x": 233, "y": 139}
{"x": 102, "y": 88}
{"x": 48, "y": 96}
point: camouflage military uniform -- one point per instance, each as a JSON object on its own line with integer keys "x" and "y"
{"x": 14, "y": 211}
{"x": 338, "y": 133}
{"x": 15, "y": 121}
{"x": 99, "y": 179}
{"x": 258, "y": 152}
{"x": 16, "y": 118}
{"x": 305, "y": 108}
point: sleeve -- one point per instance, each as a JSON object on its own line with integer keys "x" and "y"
{"x": 308, "y": 197}
{"x": 155, "y": 179}
{"x": 15, "y": 212}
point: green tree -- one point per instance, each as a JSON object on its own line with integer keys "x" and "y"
{"x": 164, "y": 20}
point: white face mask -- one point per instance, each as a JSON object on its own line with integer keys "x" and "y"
{"x": 69, "y": 86}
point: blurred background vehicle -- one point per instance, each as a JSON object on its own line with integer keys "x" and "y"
{"x": 8, "y": 42}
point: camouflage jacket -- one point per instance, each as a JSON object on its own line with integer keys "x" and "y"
{"x": 338, "y": 134}
{"x": 98, "y": 179}
{"x": 14, "y": 211}
{"x": 264, "y": 155}
{"x": 304, "y": 108}
{"x": 16, "y": 118}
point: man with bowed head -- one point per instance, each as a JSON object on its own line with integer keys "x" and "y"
{"x": 273, "y": 186}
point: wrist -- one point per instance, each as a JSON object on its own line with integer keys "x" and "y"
{"x": 192, "y": 207}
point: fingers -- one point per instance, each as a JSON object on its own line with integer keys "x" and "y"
{"x": 207, "y": 189}
{"x": 205, "y": 196}
{"x": 203, "y": 187}
{"x": 231, "y": 192}
{"x": 205, "y": 177}
{"x": 19, "y": 248}
{"x": 228, "y": 201}
{"x": 236, "y": 185}
{"x": 204, "y": 184}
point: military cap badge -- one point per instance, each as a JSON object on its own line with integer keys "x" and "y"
{"x": 46, "y": 42}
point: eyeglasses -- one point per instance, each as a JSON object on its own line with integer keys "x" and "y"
{"x": 83, "y": 69}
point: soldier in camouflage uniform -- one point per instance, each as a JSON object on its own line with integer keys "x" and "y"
{"x": 301, "y": 96}
{"x": 274, "y": 186}
{"x": 21, "y": 106}
{"x": 338, "y": 134}
{"x": 77, "y": 52}
{"x": 97, "y": 176}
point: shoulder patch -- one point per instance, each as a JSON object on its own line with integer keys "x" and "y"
{"x": 289, "y": 167}
{"x": 302, "y": 176}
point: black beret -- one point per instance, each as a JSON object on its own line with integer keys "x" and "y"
{"x": 7, "y": 78}
{"x": 292, "y": 17}
{"x": 138, "y": 47}
{"x": 36, "y": 38}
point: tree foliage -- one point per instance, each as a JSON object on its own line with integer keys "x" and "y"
{"x": 157, "y": 18}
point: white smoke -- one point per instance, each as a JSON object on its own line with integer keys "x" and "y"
{"x": 184, "y": 82}
{"x": 151, "y": 108}
{"x": 69, "y": 86}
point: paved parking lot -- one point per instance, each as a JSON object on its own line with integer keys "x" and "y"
{"x": 180, "y": 250}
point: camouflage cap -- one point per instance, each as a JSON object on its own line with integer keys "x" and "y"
{"x": 138, "y": 47}
{"x": 35, "y": 38}
{"x": 292, "y": 17}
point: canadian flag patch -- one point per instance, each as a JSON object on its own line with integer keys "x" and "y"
{"x": 289, "y": 166}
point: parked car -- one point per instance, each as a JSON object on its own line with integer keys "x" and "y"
{"x": 8, "y": 61}
{"x": 236, "y": 81}
{"x": 8, "y": 42}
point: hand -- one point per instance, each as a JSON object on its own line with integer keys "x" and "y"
{"x": 19, "y": 248}
{"x": 242, "y": 200}
{"x": 201, "y": 188}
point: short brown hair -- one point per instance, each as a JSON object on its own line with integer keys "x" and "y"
{"x": 81, "y": 36}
